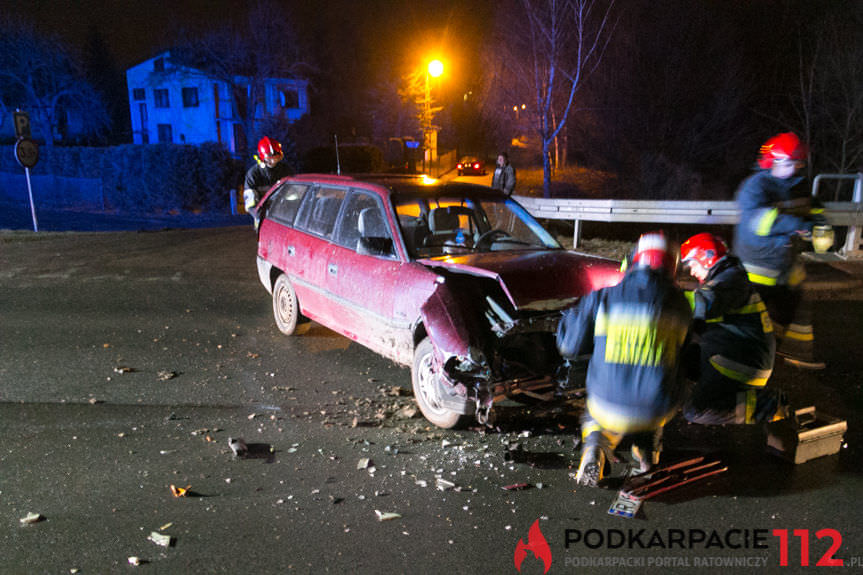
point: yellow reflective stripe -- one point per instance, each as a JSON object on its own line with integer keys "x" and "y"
{"x": 633, "y": 338}
{"x": 799, "y": 332}
{"x": 756, "y": 307}
{"x": 740, "y": 372}
{"x": 601, "y": 322}
{"x": 608, "y": 416}
{"x": 751, "y": 400}
{"x": 765, "y": 222}
{"x": 816, "y": 211}
{"x": 715, "y": 320}
{"x": 760, "y": 279}
{"x": 796, "y": 275}
{"x": 690, "y": 297}
{"x": 589, "y": 427}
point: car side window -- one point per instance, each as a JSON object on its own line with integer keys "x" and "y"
{"x": 283, "y": 206}
{"x": 318, "y": 214}
{"x": 362, "y": 216}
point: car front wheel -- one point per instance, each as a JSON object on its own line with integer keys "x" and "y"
{"x": 427, "y": 389}
{"x": 286, "y": 307}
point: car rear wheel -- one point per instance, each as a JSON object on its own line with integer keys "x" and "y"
{"x": 427, "y": 389}
{"x": 286, "y": 307}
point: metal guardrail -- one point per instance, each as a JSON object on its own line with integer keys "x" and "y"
{"x": 848, "y": 214}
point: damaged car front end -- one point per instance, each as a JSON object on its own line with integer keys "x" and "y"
{"x": 491, "y": 326}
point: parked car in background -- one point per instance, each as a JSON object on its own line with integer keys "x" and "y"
{"x": 470, "y": 165}
{"x": 456, "y": 281}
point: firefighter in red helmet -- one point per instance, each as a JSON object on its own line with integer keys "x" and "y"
{"x": 776, "y": 217}
{"x": 269, "y": 168}
{"x": 734, "y": 337}
{"x": 635, "y": 332}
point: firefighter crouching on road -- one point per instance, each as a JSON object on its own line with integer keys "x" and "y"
{"x": 635, "y": 332}
{"x": 735, "y": 337}
{"x": 776, "y": 215}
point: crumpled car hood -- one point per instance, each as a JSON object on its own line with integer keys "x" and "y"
{"x": 536, "y": 280}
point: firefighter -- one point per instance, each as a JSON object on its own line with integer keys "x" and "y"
{"x": 635, "y": 332}
{"x": 776, "y": 216}
{"x": 269, "y": 168}
{"x": 735, "y": 337}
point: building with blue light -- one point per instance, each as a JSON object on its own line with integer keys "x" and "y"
{"x": 172, "y": 103}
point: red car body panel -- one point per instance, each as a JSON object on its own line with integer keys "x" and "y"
{"x": 475, "y": 308}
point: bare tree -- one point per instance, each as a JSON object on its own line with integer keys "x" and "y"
{"x": 548, "y": 49}
{"x": 244, "y": 55}
{"x": 40, "y": 74}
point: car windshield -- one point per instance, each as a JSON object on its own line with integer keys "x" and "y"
{"x": 434, "y": 226}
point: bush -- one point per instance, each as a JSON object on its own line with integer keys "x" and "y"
{"x": 145, "y": 178}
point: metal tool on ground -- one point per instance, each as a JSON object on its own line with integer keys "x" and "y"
{"x": 807, "y": 435}
{"x": 638, "y": 488}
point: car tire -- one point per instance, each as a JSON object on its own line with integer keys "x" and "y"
{"x": 427, "y": 389}
{"x": 286, "y": 306}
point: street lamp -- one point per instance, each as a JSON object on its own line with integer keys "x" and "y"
{"x": 433, "y": 70}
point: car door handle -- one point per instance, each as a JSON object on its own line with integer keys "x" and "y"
{"x": 333, "y": 269}
{"x": 291, "y": 250}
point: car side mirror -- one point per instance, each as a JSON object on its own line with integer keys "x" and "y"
{"x": 374, "y": 246}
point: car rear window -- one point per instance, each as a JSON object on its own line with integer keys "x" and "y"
{"x": 318, "y": 214}
{"x": 349, "y": 229}
{"x": 284, "y": 203}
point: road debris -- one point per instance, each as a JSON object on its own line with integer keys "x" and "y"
{"x": 516, "y": 486}
{"x": 386, "y": 515}
{"x": 165, "y": 375}
{"x": 238, "y": 446}
{"x": 160, "y": 539}
{"x": 444, "y": 485}
{"x": 136, "y": 561}
{"x": 32, "y": 518}
{"x": 364, "y": 463}
{"x": 121, "y": 369}
{"x": 180, "y": 491}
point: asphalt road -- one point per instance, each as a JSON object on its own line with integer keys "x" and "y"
{"x": 129, "y": 359}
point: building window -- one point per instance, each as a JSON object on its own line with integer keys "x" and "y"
{"x": 139, "y": 94}
{"x": 160, "y": 95}
{"x": 159, "y": 65}
{"x": 142, "y": 115}
{"x": 289, "y": 98}
{"x": 190, "y": 97}
{"x": 166, "y": 135}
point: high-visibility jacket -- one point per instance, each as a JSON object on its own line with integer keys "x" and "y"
{"x": 737, "y": 338}
{"x": 772, "y": 212}
{"x": 635, "y": 332}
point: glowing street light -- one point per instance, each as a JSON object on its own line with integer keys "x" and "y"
{"x": 433, "y": 70}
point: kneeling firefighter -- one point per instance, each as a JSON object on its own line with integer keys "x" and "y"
{"x": 635, "y": 332}
{"x": 735, "y": 340}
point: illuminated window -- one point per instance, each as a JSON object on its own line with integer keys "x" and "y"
{"x": 160, "y": 95}
{"x": 166, "y": 133}
{"x": 190, "y": 97}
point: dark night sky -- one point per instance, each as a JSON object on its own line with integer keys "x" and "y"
{"x": 396, "y": 32}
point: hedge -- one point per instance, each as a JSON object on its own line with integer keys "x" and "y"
{"x": 145, "y": 178}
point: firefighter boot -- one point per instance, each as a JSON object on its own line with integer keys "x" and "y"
{"x": 590, "y": 469}
{"x": 646, "y": 459}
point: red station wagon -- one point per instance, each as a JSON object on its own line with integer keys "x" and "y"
{"x": 455, "y": 280}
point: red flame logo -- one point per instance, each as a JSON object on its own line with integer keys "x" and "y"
{"x": 536, "y": 544}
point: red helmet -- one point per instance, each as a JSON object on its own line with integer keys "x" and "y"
{"x": 786, "y": 146}
{"x": 652, "y": 251}
{"x": 268, "y": 148}
{"x": 705, "y": 248}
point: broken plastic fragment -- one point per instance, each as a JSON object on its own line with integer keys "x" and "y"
{"x": 32, "y": 518}
{"x": 386, "y": 515}
{"x": 443, "y": 484}
{"x": 363, "y": 463}
{"x": 135, "y": 561}
{"x": 180, "y": 491}
{"x": 160, "y": 538}
{"x": 516, "y": 486}
{"x": 165, "y": 375}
